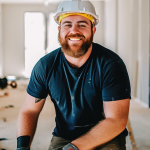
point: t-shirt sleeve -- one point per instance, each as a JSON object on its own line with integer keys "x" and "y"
{"x": 116, "y": 84}
{"x": 37, "y": 84}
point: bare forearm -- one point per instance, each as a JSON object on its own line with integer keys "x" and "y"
{"x": 27, "y": 123}
{"x": 99, "y": 135}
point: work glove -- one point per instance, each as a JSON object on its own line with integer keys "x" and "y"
{"x": 22, "y": 148}
{"x": 70, "y": 146}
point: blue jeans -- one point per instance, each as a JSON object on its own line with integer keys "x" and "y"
{"x": 118, "y": 143}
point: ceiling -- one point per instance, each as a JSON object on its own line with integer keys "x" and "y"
{"x": 38, "y": 1}
{"x": 29, "y": 1}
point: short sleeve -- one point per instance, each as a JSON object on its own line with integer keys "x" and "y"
{"x": 116, "y": 84}
{"x": 37, "y": 84}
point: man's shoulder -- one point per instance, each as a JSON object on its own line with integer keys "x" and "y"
{"x": 51, "y": 55}
{"x": 48, "y": 61}
{"x": 104, "y": 54}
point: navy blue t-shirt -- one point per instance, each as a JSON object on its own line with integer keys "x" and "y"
{"x": 78, "y": 93}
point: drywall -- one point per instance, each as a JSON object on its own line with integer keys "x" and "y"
{"x": 99, "y": 35}
{"x": 124, "y": 32}
{"x": 126, "y": 41}
{"x": 134, "y": 45}
{"x": 110, "y": 30}
{"x": 1, "y": 50}
{"x": 127, "y": 33}
{"x": 143, "y": 52}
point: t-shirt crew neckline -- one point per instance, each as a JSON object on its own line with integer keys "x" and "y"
{"x": 80, "y": 68}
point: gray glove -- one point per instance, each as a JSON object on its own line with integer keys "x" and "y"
{"x": 70, "y": 146}
{"x": 22, "y": 148}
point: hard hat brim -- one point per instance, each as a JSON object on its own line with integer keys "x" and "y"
{"x": 95, "y": 17}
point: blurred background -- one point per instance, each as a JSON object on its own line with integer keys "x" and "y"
{"x": 28, "y": 32}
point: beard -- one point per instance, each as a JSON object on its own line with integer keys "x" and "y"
{"x": 80, "y": 50}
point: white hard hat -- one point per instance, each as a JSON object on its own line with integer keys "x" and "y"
{"x": 76, "y": 6}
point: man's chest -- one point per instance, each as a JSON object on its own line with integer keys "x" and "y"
{"x": 70, "y": 87}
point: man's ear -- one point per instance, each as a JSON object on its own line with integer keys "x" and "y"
{"x": 94, "y": 29}
{"x": 58, "y": 28}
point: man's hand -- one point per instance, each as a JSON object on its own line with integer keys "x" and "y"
{"x": 70, "y": 146}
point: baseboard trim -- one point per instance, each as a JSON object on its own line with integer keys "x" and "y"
{"x": 141, "y": 102}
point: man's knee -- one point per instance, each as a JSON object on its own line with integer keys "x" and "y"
{"x": 57, "y": 143}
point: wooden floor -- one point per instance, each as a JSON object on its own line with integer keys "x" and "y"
{"x": 139, "y": 119}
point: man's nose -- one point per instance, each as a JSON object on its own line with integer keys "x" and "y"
{"x": 74, "y": 29}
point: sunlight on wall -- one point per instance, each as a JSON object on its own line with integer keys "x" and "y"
{"x": 34, "y": 39}
{"x": 52, "y": 34}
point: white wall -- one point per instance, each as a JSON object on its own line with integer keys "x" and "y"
{"x": 119, "y": 32}
{"x": 1, "y": 50}
{"x": 143, "y": 52}
{"x": 13, "y": 35}
{"x": 124, "y": 46}
{"x": 134, "y": 40}
{"x": 110, "y": 30}
{"x": 99, "y": 35}
{"x": 127, "y": 33}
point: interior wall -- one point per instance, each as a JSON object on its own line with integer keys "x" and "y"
{"x": 143, "y": 52}
{"x": 1, "y": 50}
{"x": 132, "y": 21}
{"x": 134, "y": 39}
{"x": 110, "y": 30}
{"x": 99, "y": 35}
{"x": 124, "y": 44}
{"x": 121, "y": 33}
{"x": 126, "y": 32}
{"x": 13, "y": 35}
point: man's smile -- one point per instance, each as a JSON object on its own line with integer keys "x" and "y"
{"x": 74, "y": 39}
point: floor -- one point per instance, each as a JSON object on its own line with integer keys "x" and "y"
{"x": 140, "y": 121}
{"x": 139, "y": 117}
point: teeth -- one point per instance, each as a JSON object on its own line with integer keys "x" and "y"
{"x": 73, "y": 39}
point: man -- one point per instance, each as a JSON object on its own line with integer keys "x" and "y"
{"x": 88, "y": 85}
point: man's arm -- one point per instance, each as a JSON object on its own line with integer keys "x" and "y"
{"x": 116, "y": 113}
{"x": 28, "y": 116}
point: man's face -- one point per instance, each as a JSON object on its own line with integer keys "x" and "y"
{"x": 75, "y": 35}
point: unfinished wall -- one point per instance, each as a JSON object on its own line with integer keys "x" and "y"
{"x": 99, "y": 35}
{"x": 13, "y": 35}
{"x": 1, "y": 50}
{"x": 143, "y": 52}
{"x": 133, "y": 44}
{"x": 110, "y": 30}
{"x": 119, "y": 34}
{"x": 124, "y": 46}
{"x": 134, "y": 41}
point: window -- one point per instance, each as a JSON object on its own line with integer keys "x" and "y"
{"x": 52, "y": 34}
{"x": 39, "y": 39}
{"x": 34, "y": 39}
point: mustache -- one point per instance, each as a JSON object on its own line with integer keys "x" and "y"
{"x": 75, "y": 35}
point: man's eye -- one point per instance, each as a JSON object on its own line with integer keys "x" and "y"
{"x": 67, "y": 25}
{"x": 81, "y": 25}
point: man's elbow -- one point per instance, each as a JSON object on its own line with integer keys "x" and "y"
{"x": 28, "y": 113}
{"x": 122, "y": 124}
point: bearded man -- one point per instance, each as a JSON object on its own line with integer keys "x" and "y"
{"x": 87, "y": 83}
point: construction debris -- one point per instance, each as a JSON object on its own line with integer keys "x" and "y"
{"x": 4, "y": 83}
{"x": 5, "y": 107}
